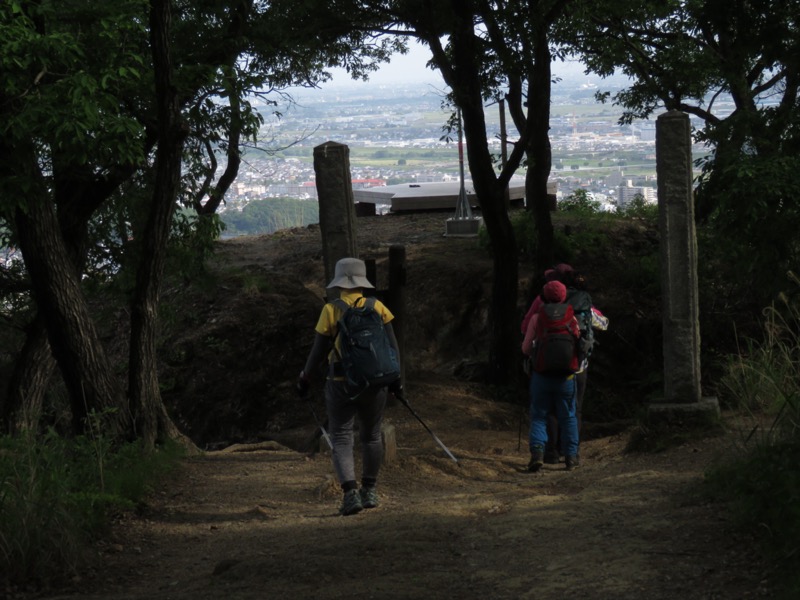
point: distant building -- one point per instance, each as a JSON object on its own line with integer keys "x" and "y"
{"x": 647, "y": 131}
{"x": 627, "y": 192}
{"x": 615, "y": 178}
{"x": 293, "y": 189}
{"x": 359, "y": 184}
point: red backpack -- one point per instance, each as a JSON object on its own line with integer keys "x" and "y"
{"x": 556, "y": 348}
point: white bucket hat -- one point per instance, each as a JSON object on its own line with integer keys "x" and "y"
{"x": 350, "y": 273}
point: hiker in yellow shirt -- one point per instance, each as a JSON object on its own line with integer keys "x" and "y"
{"x": 345, "y": 399}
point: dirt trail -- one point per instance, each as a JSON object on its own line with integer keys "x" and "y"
{"x": 263, "y": 524}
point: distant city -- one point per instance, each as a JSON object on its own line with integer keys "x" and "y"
{"x": 395, "y": 135}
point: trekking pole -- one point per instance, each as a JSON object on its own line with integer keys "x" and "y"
{"x": 319, "y": 423}
{"x": 438, "y": 441}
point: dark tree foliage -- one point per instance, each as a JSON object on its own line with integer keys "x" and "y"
{"x": 734, "y": 67}
{"x": 92, "y": 95}
{"x": 268, "y": 216}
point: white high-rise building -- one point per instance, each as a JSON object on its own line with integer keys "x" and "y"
{"x": 627, "y": 192}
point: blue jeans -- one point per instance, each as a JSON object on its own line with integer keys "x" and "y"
{"x": 559, "y": 394}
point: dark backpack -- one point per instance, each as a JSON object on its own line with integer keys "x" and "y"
{"x": 556, "y": 351}
{"x": 581, "y": 303}
{"x": 367, "y": 356}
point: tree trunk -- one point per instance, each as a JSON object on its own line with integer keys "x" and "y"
{"x": 503, "y": 354}
{"x": 29, "y": 381}
{"x": 152, "y": 422}
{"x": 71, "y": 332}
{"x": 539, "y": 151}
{"x": 503, "y": 347}
{"x": 216, "y": 196}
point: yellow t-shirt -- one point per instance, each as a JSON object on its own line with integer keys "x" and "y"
{"x": 331, "y": 313}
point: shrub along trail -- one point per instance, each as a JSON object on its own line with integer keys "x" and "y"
{"x": 262, "y": 523}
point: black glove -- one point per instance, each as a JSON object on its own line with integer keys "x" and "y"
{"x": 302, "y": 386}
{"x": 396, "y": 388}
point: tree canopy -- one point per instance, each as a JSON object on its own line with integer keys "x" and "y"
{"x": 270, "y": 215}
{"x": 114, "y": 115}
{"x": 100, "y": 106}
{"x": 734, "y": 67}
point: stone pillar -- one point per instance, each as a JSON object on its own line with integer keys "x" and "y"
{"x": 682, "y": 392}
{"x": 337, "y": 215}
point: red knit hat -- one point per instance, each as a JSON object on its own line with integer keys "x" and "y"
{"x": 554, "y": 291}
{"x": 563, "y": 268}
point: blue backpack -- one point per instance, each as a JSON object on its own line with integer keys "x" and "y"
{"x": 367, "y": 356}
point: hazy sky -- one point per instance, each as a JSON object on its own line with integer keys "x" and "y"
{"x": 408, "y": 67}
{"x": 411, "y": 67}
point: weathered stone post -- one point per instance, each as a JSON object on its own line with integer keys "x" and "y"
{"x": 682, "y": 393}
{"x": 337, "y": 224}
{"x": 337, "y": 215}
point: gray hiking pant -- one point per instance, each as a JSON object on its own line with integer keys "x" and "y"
{"x": 342, "y": 410}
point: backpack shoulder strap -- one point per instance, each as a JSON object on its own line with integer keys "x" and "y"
{"x": 343, "y": 306}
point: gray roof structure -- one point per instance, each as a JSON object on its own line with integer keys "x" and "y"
{"x": 426, "y": 196}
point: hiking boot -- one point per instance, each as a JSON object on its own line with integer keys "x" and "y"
{"x": 573, "y": 462}
{"x": 551, "y": 456}
{"x": 351, "y": 503}
{"x": 369, "y": 497}
{"x": 536, "y": 462}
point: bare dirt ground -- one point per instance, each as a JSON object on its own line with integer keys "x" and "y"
{"x": 258, "y": 519}
{"x": 263, "y": 523}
